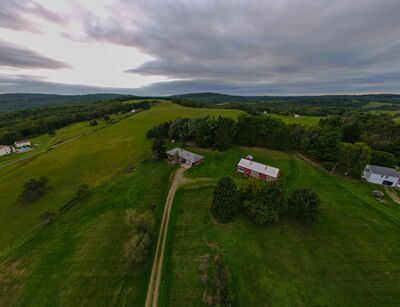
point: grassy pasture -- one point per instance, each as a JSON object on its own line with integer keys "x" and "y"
{"x": 303, "y": 120}
{"x": 79, "y": 258}
{"x": 350, "y": 258}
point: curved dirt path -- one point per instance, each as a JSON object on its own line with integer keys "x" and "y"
{"x": 393, "y": 195}
{"x": 155, "y": 278}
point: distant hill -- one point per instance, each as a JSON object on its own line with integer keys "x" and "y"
{"x": 324, "y": 100}
{"x": 14, "y": 102}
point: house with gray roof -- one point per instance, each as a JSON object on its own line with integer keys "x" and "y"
{"x": 382, "y": 175}
{"x": 183, "y": 156}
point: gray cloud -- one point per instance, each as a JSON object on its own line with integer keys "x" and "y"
{"x": 271, "y": 45}
{"x": 13, "y": 14}
{"x": 34, "y": 84}
{"x": 15, "y": 56}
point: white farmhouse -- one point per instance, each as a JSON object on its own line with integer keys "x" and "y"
{"x": 382, "y": 175}
{"x": 5, "y": 150}
{"x": 24, "y": 143}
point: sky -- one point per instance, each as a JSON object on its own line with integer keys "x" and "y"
{"x": 167, "y": 47}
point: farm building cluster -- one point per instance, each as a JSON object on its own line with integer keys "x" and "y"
{"x": 249, "y": 167}
{"x": 18, "y": 147}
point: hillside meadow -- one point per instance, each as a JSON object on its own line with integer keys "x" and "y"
{"x": 302, "y": 120}
{"x": 78, "y": 259}
{"x": 351, "y": 257}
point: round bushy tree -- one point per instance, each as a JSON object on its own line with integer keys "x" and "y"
{"x": 225, "y": 202}
{"x": 305, "y": 204}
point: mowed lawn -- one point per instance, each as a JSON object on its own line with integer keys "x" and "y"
{"x": 351, "y": 257}
{"x": 79, "y": 258}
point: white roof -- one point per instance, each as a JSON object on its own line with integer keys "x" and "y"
{"x": 184, "y": 154}
{"x": 258, "y": 167}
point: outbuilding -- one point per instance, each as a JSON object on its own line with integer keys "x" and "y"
{"x": 382, "y": 175}
{"x": 184, "y": 156}
{"x": 248, "y": 167}
{"x": 24, "y": 143}
{"x": 5, "y": 150}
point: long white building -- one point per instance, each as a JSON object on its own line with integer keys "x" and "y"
{"x": 382, "y": 175}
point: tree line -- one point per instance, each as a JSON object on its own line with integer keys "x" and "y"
{"x": 350, "y": 141}
{"x": 32, "y": 122}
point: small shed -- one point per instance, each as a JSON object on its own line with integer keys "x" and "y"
{"x": 184, "y": 156}
{"x": 257, "y": 170}
{"x": 382, "y": 175}
{"x": 5, "y": 150}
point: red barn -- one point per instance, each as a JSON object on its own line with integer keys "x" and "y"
{"x": 248, "y": 167}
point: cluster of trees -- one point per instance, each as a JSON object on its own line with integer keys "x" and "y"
{"x": 34, "y": 189}
{"x": 216, "y": 279}
{"x": 142, "y": 231}
{"x": 264, "y": 202}
{"x": 335, "y": 140}
{"x": 206, "y": 132}
{"x": 27, "y": 123}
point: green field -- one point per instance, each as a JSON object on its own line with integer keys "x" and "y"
{"x": 349, "y": 258}
{"x": 78, "y": 260}
{"x": 45, "y": 141}
{"x": 303, "y": 120}
{"x": 376, "y": 104}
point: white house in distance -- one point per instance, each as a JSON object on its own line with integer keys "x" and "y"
{"x": 184, "y": 156}
{"x": 5, "y": 150}
{"x": 24, "y": 143}
{"x": 382, "y": 175}
{"x": 248, "y": 167}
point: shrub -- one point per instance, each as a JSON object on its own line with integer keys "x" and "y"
{"x": 34, "y": 189}
{"x": 47, "y": 217}
{"x": 136, "y": 248}
{"x": 305, "y": 204}
{"x": 93, "y": 123}
{"x": 225, "y": 201}
{"x": 264, "y": 202}
{"x": 140, "y": 222}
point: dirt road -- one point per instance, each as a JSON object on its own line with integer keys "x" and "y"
{"x": 393, "y": 195}
{"x": 155, "y": 278}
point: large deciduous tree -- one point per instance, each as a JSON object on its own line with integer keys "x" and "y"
{"x": 354, "y": 157}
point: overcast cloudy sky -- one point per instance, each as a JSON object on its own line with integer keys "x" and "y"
{"x": 162, "y": 47}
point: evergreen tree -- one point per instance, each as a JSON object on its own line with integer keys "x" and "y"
{"x": 224, "y": 134}
{"x": 225, "y": 202}
{"x": 158, "y": 148}
{"x": 305, "y": 204}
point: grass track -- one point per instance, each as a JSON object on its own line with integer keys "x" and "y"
{"x": 78, "y": 260}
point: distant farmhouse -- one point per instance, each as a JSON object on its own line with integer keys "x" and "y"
{"x": 184, "y": 156}
{"x": 5, "y": 150}
{"x": 382, "y": 175}
{"x": 248, "y": 167}
{"x": 24, "y": 143}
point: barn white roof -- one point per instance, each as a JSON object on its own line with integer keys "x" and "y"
{"x": 258, "y": 167}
